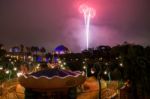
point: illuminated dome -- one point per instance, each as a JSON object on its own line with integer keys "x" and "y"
{"x": 61, "y": 49}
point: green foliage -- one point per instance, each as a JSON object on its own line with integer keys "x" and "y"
{"x": 2, "y": 76}
{"x": 6, "y": 65}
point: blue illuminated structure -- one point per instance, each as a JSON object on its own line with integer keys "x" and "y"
{"x": 61, "y": 49}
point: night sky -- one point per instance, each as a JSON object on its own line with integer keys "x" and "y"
{"x": 53, "y": 22}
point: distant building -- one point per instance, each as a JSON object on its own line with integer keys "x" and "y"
{"x": 61, "y": 49}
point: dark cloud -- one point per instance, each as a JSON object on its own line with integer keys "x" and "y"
{"x": 52, "y": 22}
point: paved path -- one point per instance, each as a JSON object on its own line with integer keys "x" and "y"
{"x": 88, "y": 95}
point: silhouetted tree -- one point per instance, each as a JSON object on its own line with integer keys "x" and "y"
{"x": 22, "y": 48}
{"x": 42, "y": 50}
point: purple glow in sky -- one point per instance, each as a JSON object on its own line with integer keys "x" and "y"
{"x": 52, "y": 22}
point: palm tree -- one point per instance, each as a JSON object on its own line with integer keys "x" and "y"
{"x": 1, "y": 46}
{"x": 28, "y": 49}
{"x": 22, "y": 48}
{"x": 2, "y": 52}
{"x": 34, "y": 49}
{"x": 42, "y": 50}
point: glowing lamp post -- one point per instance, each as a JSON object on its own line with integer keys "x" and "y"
{"x": 88, "y": 13}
